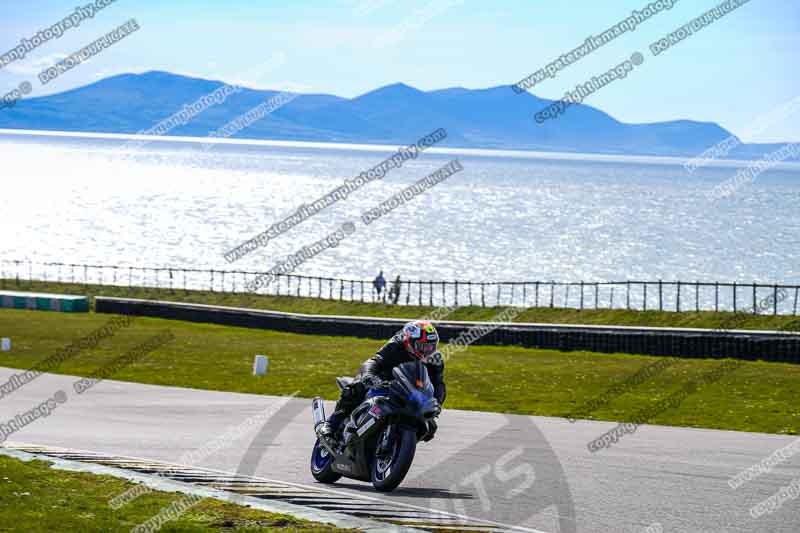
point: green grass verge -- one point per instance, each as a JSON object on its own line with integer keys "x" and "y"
{"x": 758, "y": 396}
{"x": 36, "y": 498}
{"x": 616, "y": 317}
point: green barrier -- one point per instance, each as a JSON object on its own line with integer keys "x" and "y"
{"x": 65, "y": 303}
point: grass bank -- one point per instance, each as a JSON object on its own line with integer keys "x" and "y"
{"x": 292, "y": 304}
{"x": 37, "y": 498}
{"x": 758, "y": 396}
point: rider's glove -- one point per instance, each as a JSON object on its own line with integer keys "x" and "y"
{"x": 354, "y": 391}
{"x": 373, "y": 382}
{"x": 432, "y": 427}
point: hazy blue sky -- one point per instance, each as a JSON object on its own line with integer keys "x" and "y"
{"x": 733, "y": 71}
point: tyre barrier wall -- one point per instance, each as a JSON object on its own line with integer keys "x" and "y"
{"x": 691, "y": 343}
{"x": 64, "y": 303}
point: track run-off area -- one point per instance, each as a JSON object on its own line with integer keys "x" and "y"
{"x": 498, "y": 471}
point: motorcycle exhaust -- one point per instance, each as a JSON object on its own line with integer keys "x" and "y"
{"x": 318, "y": 410}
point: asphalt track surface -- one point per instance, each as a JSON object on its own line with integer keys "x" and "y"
{"x": 533, "y": 472}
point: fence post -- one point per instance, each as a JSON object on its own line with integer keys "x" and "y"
{"x": 419, "y": 285}
{"x": 581, "y": 296}
{"x": 611, "y": 303}
{"x": 775, "y": 299}
{"x": 524, "y": 294}
{"x": 362, "y": 290}
{"x": 597, "y": 296}
{"x": 299, "y": 283}
{"x": 212, "y": 280}
{"x": 408, "y": 292}
{"x": 469, "y": 288}
{"x": 456, "y": 293}
{"x": 330, "y": 288}
{"x": 660, "y": 295}
{"x": 755, "y": 305}
{"x": 566, "y": 297}
{"x": 483, "y": 294}
{"x": 430, "y": 293}
{"x": 697, "y": 296}
{"x": 444, "y": 296}
{"x": 552, "y": 293}
{"x": 499, "y": 285}
{"x": 734, "y": 297}
{"x": 716, "y": 296}
{"x": 628, "y": 296}
{"x": 796, "y": 289}
{"x": 678, "y": 299}
{"x": 536, "y": 301}
{"x": 644, "y": 296}
{"x": 341, "y": 290}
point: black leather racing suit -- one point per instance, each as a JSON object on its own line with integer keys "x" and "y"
{"x": 379, "y": 368}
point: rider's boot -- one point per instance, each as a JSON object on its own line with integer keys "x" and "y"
{"x": 329, "y": 428}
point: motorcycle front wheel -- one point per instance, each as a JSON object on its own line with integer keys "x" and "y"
{"x": 390, "y": 470}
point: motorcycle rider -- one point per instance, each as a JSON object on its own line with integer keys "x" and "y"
{"x": 418, "y": 340}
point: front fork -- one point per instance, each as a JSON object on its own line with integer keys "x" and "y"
{"x": 386, "y": 444}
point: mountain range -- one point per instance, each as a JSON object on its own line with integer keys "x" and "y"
{"x": 494, "y": 118}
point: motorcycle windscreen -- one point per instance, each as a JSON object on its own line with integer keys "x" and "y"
{"x": 413, "y": 376}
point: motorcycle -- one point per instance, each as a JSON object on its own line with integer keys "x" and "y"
{"x": 378, "y": 441}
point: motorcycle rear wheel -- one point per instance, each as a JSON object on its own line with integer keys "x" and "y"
{"x": 322, "y": 465}
{"x": 387, "y": 473}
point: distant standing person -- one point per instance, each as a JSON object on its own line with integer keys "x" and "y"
{"x": 394, "y": 293}
{"x": 380, "y": 283}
